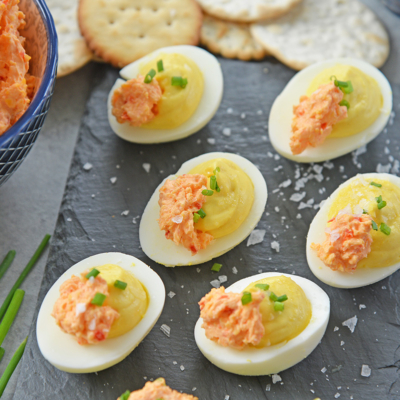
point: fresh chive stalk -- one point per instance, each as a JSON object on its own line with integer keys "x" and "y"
{"x": 11, "y": 366}
{"x": 99, "y": 299}
{"x": 8, "y": 259}
{"x": 246, "y": 298}
{"x": 94, "y": 272}
{"x": 24, "y": 274}
{"x": 216, "y": 267}
{"x": 2, "y": 351}
{"x": 11, "y": 313}
{"x": 120, "y": 285}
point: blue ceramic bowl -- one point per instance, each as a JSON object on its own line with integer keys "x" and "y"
{"x": 41, "y": 45}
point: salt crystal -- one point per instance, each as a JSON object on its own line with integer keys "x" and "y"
{"x": 134, "y": 220}
{"x": 297, "y": 196}
{"x": 365, "y": 371}
{"x": 91, "y": 279}
{"x": 351, "y": 323}
{"x": 194, "y": 389}
{"x": 226, "y": 131}
{"x": 243, "y": 115}
{"x": 80, "y": 308}
{"x": 277, "y": 209}
{"x": 383, "y": 287}
{"x": 341, "y": 168}
{"x": 177, "y": 219}
{"x": 298, "y": 216}
{"x": 171, "y": 294}
{"x": 256, "y": 236}
{"x": 328, "y": 164}
{"x": 229, "y": 111}
{"x": 386, "y": 150}
{"x": 182, "y": 368}
{"x": 337, "y": 395}
{"x": 198, "y": 270}
{"x": 336, "y": 328}
{"x": 259, "y": 112}
{"x": 166, "y": 330}
{"x": 323, "y": 370}
{"x": 69, "y": 219}
{"x": 383, "y": 168}
{"x": 146, "y": 167}
{"x": 276, "y": 157}
{"x": 215, "y": 283}
{"x": 396, "y": 167}
{"x": 361, "y": 306}
{"x": 275, "y": 246}
{"x": 222, "y": 278}
{"x": 286, "y": 183}
{"x": 226, "y": 397}
{"x": 342, "y": 343}
{"x": 125, "y": 213}
{"x": 87, "y": 166}
{"x": 234, "y": 270}
{"x": 268, "y": 388}
{"x": 92, "y": 325}
{"x": 265, "y": 70}
{"x": 276, "y": 378}
{"x": 113, "y": 179}
{"x": 174, "y": 362}
{"x": 211, "y": 140}
{"x": 317, "y": 168}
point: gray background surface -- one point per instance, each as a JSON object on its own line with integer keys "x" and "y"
{"x": 29, "y": 204}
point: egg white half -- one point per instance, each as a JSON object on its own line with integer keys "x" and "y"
{"x": 281, "y": 115}
{"x": 166, "y": 252}
{"x": 273, "y": 359}
{"x": 208, "y": 106}
{"x": 63, "y": 351}
{"x": 316, "y": 234}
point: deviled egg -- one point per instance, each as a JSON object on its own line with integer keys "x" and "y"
{"x": 330, "y": 109}
{"x": 167, "y": 95}
{"x": 98, "y": 312}
{"x": 354, "y": 239}
{"x": 208, "y": 207}
{"x": 262, "y": 324}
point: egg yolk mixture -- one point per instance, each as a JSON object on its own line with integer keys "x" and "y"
{"x": 164, "y": 96}
{"x": 158, "y": 390}
{"x": 78, "y": 314}
{"x": 365, "y": 100}
{"x": 211, "y": 201}
{"x": 381, "y": 200}
{"x": 250, "y": 318}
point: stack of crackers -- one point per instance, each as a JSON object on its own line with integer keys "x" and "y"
{"x": 296, "y": 32}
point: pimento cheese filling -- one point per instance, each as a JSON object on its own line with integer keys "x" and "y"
{"x": 347, "y": 241}
{"x": 75, "y": 314}
{"x": 158, "y": 390}
{"x": 179, "y": 200}
{"x": 14, "y": 65}
{"x": 315, "y": 116}
{"x": 228, "y": 322}
{"x": 136, "y": 102}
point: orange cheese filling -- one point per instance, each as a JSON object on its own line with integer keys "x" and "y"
{"x": 315, "y": 116}
{"x": 347, "y": 241}
{"x": 228, "y": 322}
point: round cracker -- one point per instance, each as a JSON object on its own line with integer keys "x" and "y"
{"x": 122, "y": 31}
{"x": 247, "y": 10}
{"x": 230, "y": 39}
{"x": 72, "y": 50}
{"x": 319, "y": 30}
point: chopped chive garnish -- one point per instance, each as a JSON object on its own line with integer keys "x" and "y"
{"x": 99, "y": 299}
{"x": 125, "y": 395}
{"x": 246, "y": 298}
{"x": 262, "y": 286}
{"x": 94, "y": 272}
{"x": 375, "y": 184}
{"x": 345, "y": 103}
{"x": 374, "y": 225}
{"x": 216, "y": 267}
{"x": 282, "y": 298}
{"x": 385, "y": 229}
{"x": 150, "y": 75}
{"x": 160, "y": 66}
{"x": 213, "y": 182}
{"x": 273, "y": 296}
{"x": 196, "y": 217}
{"x": 348, "y": 89}
{"x": 378, "y": 199}
{"x": 184, "y": 83}
{"x": 179, "y": 81}
{"x": 381, "y": 205}
{"x": 278, "y": 306}
{"x": 365, "y": 211}
{"x": 120, "y": 285}
{"x": 217, "y": 170}
{"x": 207, "y": 192}
{"x": 201, "y": 213}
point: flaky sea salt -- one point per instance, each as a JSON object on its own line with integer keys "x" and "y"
{"x": 92, "y": 325}
{"x": 383, "y": 169}
{"x": 211, "y": 140}
{"x": 215, "y": 283}
{"x": 125, "y": 213}
{"x": 276, "y": 378}
{"x": 146, "y": 167}
{"x": 275, "y": 246}
{"x": 177, "y": 219}
{"x": 113, "y": 179}
{"x": 286, "y": 183}
{"x": 182, "y": 368}
{"x": 365, "y": 371}
{"x": 171, "y": 294}
{"x": 226, "y": 397}
{"x": 256, "y": 236}
{"x": 268, "y": 388}
{"x": 351, "y": 323}
{"x": 323, "y": 370}
{"x": 234, "y": 270}
{"x": 361, "y": 306}
{"x": 87, "y": 166}
{"x": 222, "y": 278}
{"x": 297, "y": 196}
{"x": 226, "y": 131}
{"x": 80, "y": 308}
{"x": 166, "y": 330}
{"x": 337, "y": 395}
{"x": 336, "y": 328}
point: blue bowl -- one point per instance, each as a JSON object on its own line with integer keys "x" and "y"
{"x": 41, "y": 45}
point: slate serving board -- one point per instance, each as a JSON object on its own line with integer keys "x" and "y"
{"x": 90, "y": 222}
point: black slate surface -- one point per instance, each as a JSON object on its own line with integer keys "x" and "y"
{"x": 90, "y": 222}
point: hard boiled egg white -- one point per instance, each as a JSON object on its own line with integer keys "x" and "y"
{"x": 64, "y": 352}
{"x": 208, "y": 106}
{"x": 280, "y": 118}
{"x": 316, "y": 234}
{"x": 273, "y": 359}
{"x": 166, "y": 252}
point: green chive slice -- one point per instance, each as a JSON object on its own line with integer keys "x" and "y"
{"x": 375, "y": 184}
{"x": 94, "y": 272}
{"x": 99, "y": 299}
{"x": 345, "y": 103}
{"x": 282, "y": 298}
{"x": 278, "y": 306}
{"x": 381, "y": 205}
{"x": 385, "y": 229}
{"x": 125, "y": 395}
{"x": 374, "y": 225}
{"x": 378, "y": 199}
{"x": 262, "y": 286}
{"x": 246, "y": 298}
{"x": 120, "y": 285}
{"x": 201, "y": 213}
{"x": 218, "y": 169}
{"x": 179, "y": 81}
{"x": 160, "y": 66}
{"x": 273, "y": 296}
{"x": 348, "y": 88}
{"x": 365, "y": 211}
{"x": 207, "y": 192}
{"x": 149, "y": 76}
{"x": 196, "y": 217}
{"x": 213, "y": 182}
{"x": 216, "y": 267}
